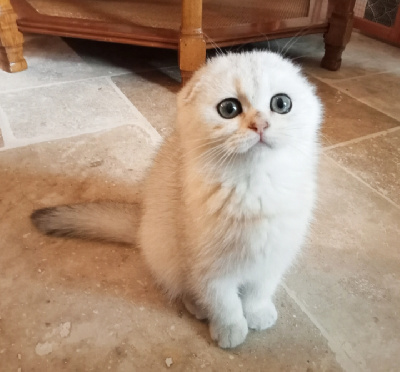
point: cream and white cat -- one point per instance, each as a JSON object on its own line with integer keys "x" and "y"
{"x": 228, "y": 201}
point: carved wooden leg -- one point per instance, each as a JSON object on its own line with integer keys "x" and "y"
{"x": 192, "y": 47}
{"x": 338, "y": 34}
{"x": 11, "y": 40}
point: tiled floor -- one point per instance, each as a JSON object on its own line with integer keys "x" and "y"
{"x": 82, "y": 124}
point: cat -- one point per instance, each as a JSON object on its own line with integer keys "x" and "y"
{"x": 229, "y": 198}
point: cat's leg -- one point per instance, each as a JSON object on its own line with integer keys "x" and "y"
{"x": 286, "y": 236}
{"x": 258, "y": 308}
{"x": 264, "y": 277}
{"x": 228, "y": 326}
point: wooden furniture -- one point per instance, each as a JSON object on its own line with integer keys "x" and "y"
{"x": 388, "y": 31}
{"x": 11, "y": 58}
{"x": 190, "y": 26}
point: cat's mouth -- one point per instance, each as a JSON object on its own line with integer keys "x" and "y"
{"x": 242, "y": 144}
{"x": 255, "y": 143}
{"x": 260, "y": 140}
{"x": 264, "y": 141}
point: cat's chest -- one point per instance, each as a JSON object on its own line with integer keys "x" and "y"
{"x": 255, "y": 193}
{"x": 258, "y": 194}
{"x": 259, "y": 190}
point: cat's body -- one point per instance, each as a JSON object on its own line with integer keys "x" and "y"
{"x": 228, "y": 200}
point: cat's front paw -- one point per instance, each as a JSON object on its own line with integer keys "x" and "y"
{"x": 262, "y": 318}
{"x": 229, "y": 335}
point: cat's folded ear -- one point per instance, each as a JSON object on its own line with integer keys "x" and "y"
{"x": 190, "y": 90}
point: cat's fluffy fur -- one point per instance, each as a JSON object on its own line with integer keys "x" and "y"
{"x": 223, "y": 213}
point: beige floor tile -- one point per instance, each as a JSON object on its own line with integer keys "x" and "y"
{"x": 376, "y": 161}
{"x": 67, "y": 109}
{"x": 380, "y": 91}
{"x": 120, "y": 155}
{"x": 346, "y": 118}
{"x": 154, "y": 94}
{"x": 348, "y": 277}
{"x": 357, "y": 58}
{"x": 50, "y": 60}
{"x": 69, "y": 304}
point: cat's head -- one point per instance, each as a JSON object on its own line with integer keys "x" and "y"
{"x": 249, "y": 101}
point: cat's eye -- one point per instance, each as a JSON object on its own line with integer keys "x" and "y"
{"x": 229, "y": 108}
{"x": 281, "y": 103}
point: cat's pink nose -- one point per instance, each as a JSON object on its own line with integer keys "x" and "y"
{"x": 258, "y": 127}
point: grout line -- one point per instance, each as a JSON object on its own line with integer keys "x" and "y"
{"x": 80, "y": 80}
{"x": 155, "y": 136}
{"x": 8, "y": 135}
{"x": 348, "y": 171}
{"x": 56, "y": 84}
{"x": 343, "y": 90}
{"x": 24, "y": 142}
{"x": 360, "y": 139}
{"x": 348, "y": 359}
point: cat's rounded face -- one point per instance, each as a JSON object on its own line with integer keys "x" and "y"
{"x": 250, "y": 101}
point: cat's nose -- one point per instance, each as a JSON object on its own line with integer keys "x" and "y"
{"x": 258, "y": 126}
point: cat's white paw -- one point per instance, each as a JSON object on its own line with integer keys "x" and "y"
{"x": 229, "y": 335}
{"x": 262, "y": 318}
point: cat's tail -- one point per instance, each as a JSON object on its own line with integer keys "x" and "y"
{"x": 104, "y": 221}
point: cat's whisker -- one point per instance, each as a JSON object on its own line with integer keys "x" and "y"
{"x": 326, "y": 138}
{"x": 211, "y": 152}
{"x": 277, "y": 47}
{"x": 283, "y": 53}
{"x": 218, "y": 50}
{"x": 207, "y": 162}
{"x": 213, "y": 143}
{"x": 296, "y": 37}
{"x": 205, "y": 141}
{"x": 206, "y": 154}
{"x": 219, "y": 155}
{"x": 241, "y": 47}
{"x": 233, "y": 153}
{"x": 225, "y": 158}
{"x": 267, "y": 39}
{"x": 204, "y": 145}
{"x": 201, "y": 139}
{"x": 302, "y": 56}
{"x": 231, "y": 163}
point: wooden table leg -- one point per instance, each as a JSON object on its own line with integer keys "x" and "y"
{"x": 11, "y": 40}
{"x": 338, "y": 34}
{"x": 192, "y": 47}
